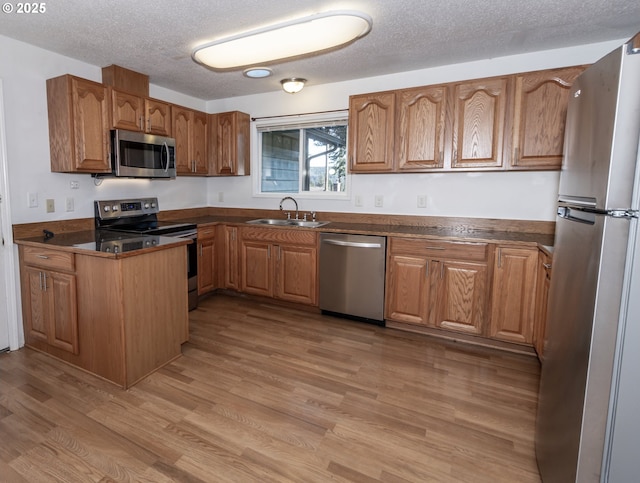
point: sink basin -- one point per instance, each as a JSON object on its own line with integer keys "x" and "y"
{"x": 279, "y": 222}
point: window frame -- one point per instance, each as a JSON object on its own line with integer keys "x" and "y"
{"x": 295, "y": 122}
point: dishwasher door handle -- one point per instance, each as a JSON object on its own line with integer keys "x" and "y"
{"x": 351, "y": 244}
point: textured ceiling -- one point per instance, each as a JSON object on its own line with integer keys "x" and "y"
{"x": 156, "y": 37}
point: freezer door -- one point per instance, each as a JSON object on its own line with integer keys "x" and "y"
{"x": 602, "y": 131}
{"x": 575, "y": 382}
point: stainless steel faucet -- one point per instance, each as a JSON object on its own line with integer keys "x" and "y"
{"x": 294, "y": 201}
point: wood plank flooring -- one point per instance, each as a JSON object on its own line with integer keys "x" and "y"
{"x": 271, "y": 394}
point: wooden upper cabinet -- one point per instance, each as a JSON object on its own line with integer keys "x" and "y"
{"x": 78, "y": 112}
{"x": 479, "y": 119}
{"x": 540, "y": 110}
{"x": 420, "y": 128}
{"x": 232, "y": 143}
{"x": 372, "y": 132}
{"x": 158, "y": 115}
{"x": 135, "y": 113}
{"x": 190, "y": 133}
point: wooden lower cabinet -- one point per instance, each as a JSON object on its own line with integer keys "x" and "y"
{"x": 279, "y": 263}
{"x": 437, "y": 284}
{"x": 462, "y": 296}
{"x": 231, "y": 257}
{"x": 50, "y": 308}
{"x": 514, "y": 294}
{"x": 542, "y": 297}
{"x": 104, "y": 314}
{"x": 206, "y": 259}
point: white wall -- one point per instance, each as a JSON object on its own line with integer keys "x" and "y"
{"x": 24, "y": 70}
{"x": 527, "y": 196}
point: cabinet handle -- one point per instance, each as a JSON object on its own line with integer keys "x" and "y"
{"x": 499, "y": 258}
{"x": 149, "y": 125}
{"x": 44, "y": 278}
{"x": 233, "y": 235}
{"x": 435, "y": 248}
{"x": 40, "y": 274}
{"x": 200, "y": 249}
{"x": 278, "y": 248}
{"x": 441, "y": 271}
{"x": 141, "y": 123}
{"x": 269, "y": 251}
{"x": 516, "y": 156}
{"x": 547, "y": 265}
{"x": 43, "y": 256}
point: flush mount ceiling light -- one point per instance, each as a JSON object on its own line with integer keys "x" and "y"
{"x": 293, "y": 38}
{"x": 293, "y": 84}
{"x": 257, "y": 72}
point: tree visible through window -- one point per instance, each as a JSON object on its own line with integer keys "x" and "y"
{"x": 305, "y": 159}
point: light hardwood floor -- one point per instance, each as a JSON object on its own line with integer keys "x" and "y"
{"x": 271, "y": 394}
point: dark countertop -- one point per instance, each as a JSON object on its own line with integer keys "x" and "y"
{"x": 92, "y": 243}
{"x": 445, "y": 233}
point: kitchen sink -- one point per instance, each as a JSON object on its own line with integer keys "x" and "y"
{"x": 279, "y": 222}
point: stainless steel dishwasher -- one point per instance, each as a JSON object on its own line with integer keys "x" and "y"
{"x": 352, "y": 271}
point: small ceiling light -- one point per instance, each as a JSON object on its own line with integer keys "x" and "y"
{"x": 293, "y": 84}
{"x": 293, "y": 38}
{"x": 257, "y": 72}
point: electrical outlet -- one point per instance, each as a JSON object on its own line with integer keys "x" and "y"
{"x": 358, "y": 200}
{"x": 51, "y": 205}
{"x": 378, "y": 201}
{"x": 422, "y": 201}
{"x": 74, "y": 186}
{"x": 221, "y": 196}
{"x": 70, "y": 204}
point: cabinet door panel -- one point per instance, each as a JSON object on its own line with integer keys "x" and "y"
{"x": 256, "y": 268}
{"x": 35, "y": 306}
{"x": 462, "y": 296}
{"x": 63, "y": 308}
{"x": 421, "y": 122}
{"x": 371, "y": 132}
{"x": 540, "y": 111}
{"x": 231, "y": 274}
{"x": 206, "y": 265}
{"x": 91, "y": 126}
{"x": 296, "y": 280}
{"x": 126, "y": 111}
{"x": 407, "y": 289}
{"x": 199, "y": 143}
{"x": 480, "y": 109}
{"x": 226, "y": 143}
{"x": 181, "y": 123}
{"x": 514, "y": 285}
{"x": 158, "y": 117}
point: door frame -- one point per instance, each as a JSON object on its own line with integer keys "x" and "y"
{"x": 8, "y": 251}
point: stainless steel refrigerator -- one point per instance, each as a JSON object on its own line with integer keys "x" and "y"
{"x": 587, "y": 427}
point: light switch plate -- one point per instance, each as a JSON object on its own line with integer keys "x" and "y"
{"x": 51, "y": 205}
{"x": 378, "y": 201}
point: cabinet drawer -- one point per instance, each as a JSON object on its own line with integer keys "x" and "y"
{"x": 207, "y": 231}
{"x": 47, "y": 258}
{"x": 440, "y": 249}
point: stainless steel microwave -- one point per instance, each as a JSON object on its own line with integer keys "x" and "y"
{"x": 140, "y": 155}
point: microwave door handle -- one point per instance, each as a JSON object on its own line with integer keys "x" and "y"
{"x": 166, "y": 149}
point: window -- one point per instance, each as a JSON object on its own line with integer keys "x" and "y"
{"x": 305, "y": 156}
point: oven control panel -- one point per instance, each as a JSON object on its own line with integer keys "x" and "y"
{"x": 107, "y": 209}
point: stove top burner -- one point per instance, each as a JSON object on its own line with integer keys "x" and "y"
{"x": 139, "y": 215}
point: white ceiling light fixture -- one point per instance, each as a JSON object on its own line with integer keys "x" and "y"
{"x": 293, "y": 84}
{"x": 257, "y": 72}
{"x": 305, "y": 35}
